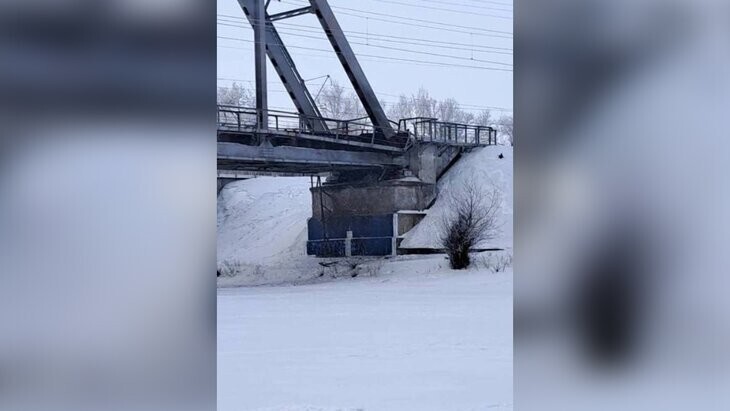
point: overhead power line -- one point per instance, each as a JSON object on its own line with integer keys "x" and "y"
{"x": 382, "y": 38}
{"x": 429, "y": 42}
{"x": 444, "y": 3}
{"x": 438, "y": 63}
{"x": 329, "y": 55}
{"x": 408, "y": 50}
{"x": 407, "y": 19}
{"x": 492, "y": 2}
{"x": 472, "y": 13}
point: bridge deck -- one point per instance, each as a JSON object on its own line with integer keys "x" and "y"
{"x": 290, "y": 146}
{"x": 237, "y": 157}
{"x": 304, "y": 139}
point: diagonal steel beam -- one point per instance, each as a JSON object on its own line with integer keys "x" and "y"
{"x": 290, "y": 13}
{"x": 287, "y": 71}
{"x": 354, "y": 72}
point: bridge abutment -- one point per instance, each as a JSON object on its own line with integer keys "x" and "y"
{"x": 370, "y": 211}
{"x": 430, "y": 161}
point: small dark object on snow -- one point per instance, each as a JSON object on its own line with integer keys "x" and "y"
{"x": 501, "y": 156}
{"x": 217, "y": 273}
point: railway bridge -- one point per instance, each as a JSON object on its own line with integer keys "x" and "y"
{"x": 371, "y": 176}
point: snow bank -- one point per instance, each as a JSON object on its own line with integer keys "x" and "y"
{"x": 262, "y": 231}
{"x": 484, "y": 166}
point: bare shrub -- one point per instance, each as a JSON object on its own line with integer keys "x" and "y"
{"x": 228, "y": 268}
{"x": 362, "y": 267}
{"x": 373, "y": 268}
{"x": 470, "y": 217}
{"x": 494, "y": 263}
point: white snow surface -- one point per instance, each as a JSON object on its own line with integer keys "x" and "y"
{"x": 262, "y": 231}
{"x": 261, "y": 219}
{"x": 414, "y": 336}
{"x": 486, "y": 169}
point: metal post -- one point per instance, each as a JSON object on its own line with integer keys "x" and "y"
{"x": 348, "y": 244}
{"x": 321, "y": 208}
{"x": 394, "y": 239}
{"x": 259, "y": 38}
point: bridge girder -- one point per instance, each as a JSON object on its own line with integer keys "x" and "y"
{"x": 354, "y": 72}
{"x": 286, "y": 69}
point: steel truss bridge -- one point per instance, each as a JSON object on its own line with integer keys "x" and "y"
{"x": 256, "y": 139}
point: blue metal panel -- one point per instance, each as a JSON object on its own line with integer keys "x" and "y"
{"x": 372, "y": 246}
{"x": 361, "y": 226}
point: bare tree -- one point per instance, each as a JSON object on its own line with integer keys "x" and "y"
{"x": 332, "y": 100}
{"x": 336, "y": 103}
{"x": 470, "y": 218}
{"x": 448, "y": 110}
{"x": 484, "y": 118}
{"x": 403, "y": 108}
{"x": 236, "y": 95}
{"x": 355, "y": 108}
{"x": 423, "y": 104}
{"x": 506, "y": 127}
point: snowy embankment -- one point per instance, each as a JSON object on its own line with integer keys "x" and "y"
{"x": 418, "y": 336}
{"x": 262, "y": 222}
{"x": 262, "y": 231}
{"x": 484, "y": 167}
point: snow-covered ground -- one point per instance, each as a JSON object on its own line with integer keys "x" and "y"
{"x": 415, "y": 336}
{"x": 262, "y": 231}
{"x": 484, "y": 167}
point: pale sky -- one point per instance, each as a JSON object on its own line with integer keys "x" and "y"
{"x": 473, "y": 30}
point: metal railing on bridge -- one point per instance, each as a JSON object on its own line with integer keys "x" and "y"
{"x": 433, "y": 130}
{"x": 240, "y": 119}
{"x": 243, "y": 119}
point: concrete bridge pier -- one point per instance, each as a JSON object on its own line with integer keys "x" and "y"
{"x": 375, "y": 214}
{"x": 430, "y": 161}
{"x": 225, "y": 177}
{"x": 367, "y": 212}
{"x": 222, "y": 183}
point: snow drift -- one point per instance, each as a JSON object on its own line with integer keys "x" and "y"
{"x": 485, "y": 168}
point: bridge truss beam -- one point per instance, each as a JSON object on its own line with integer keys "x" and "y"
{"x": 286, "y": 69}
{"x": 354, "y": 72}
{"x": 291, "y": 13}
